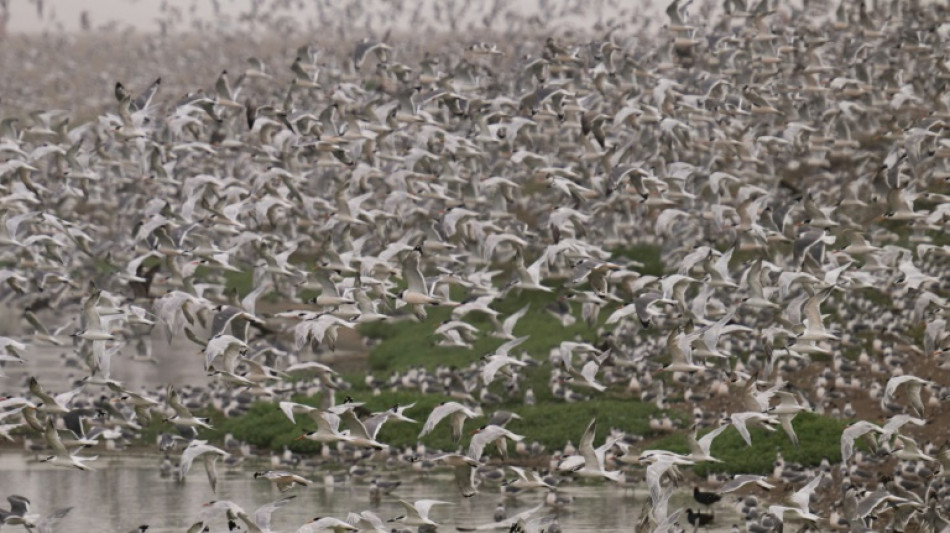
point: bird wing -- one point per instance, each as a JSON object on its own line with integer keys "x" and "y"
{"x": 40, "y": 393}
{"x": 465, "y": 480}
{"x": 705, "y": 443}
{"x": 802, "y": 496}
{"x": 412, "y": 273}
{"x": 354, "y": 424}
{"x": 263, "y": 513}
{"x": 510, "y": 345}
{"x": 654, "y": 475}
{"x": 174, "y": 400}
{"x": 46, "y": 523}
{"x": 210, "y": 460}
{"x": 437, "y": 415}
{"x": 424, "y": 506}
{"x": 586, "y": 447}
{"x": 738, "y": 420}
{"x": 853, "y": 432}
{"x": 508, "y": 326}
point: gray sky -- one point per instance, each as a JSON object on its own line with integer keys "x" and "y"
{"x": 142, "y": 14}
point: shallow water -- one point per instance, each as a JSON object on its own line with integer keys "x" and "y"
{"x": 124, "y": 492}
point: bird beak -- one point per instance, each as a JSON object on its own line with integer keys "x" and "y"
{"x": 301, "y": 437}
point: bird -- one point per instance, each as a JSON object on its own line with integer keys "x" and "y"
{"x": 284, "y": 481}
{"x": 210, "y": 455}
{"x": 705, "y": 498}
{"x": 457, "y": 414}
{"x": 417, "y": 513}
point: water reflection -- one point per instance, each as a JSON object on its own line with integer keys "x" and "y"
{"x": 125, "y": 492}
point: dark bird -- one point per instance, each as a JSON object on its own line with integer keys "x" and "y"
{"x": 698, "y": 519}
{"x": 705, "y": 498}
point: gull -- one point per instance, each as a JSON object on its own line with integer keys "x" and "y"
{"x": 183, "y": 416}
{"x": 643, "y": 307}
{"x": 586, "y": 377}
{"x": 358, "y": 434}
{"x": 328, "y": 429}
{"x": 528, "y": 278}
{"x": 57, "y": 405}
{"x": 140, "y": 403}
{"x": 854, "y": 432}
{"x": 814, "y": 321}
{"x": 417, "y": 513}
{"x": 742, "y": 480}
{"x": 509, "y": 523}
{"x": 417, "y": 293}
{"x": 873, "y": 500}
{"x": 594, "y": 459}
{"x": 62, "y": 456}
{"x": 284, "y": 481}
{"x": 699, "y": 449}
{"x": 907, "y": 450}
{"x": 20, "y": 516}
{"x": 226, "y": 347}
{"x": 779, "y": 512}
{"x": 913, "y": 385}
{"x": 463, "y": 470}
{"x": 681, "y": 355}
{"x": 488, "y": 434}
{"x": 367, "y": 521}
{"x": 457, "y": 413}
{"x": 330, "y": 295}
{"x": 742, "y": 420}
{"x": 785, "y": 411}
{"x": 291, "y": 408}
{"x": 500, "y": 359}
{"x": 262, "y": 516}
{"x": 326, "y": 523}
{"x": 310, "y": 369}
{"x": 375, "y": 421}
{"x": 660, "y": 467}
{"x": 527, "y": 479}
{"x": 211, "y": 455}
{"x": 506, "y": 330}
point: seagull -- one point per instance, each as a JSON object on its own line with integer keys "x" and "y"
{"x": 912, "y": 384}
{"x": 211, "y": 454}
{"x": 463, "y": 468}
{"x": 326, "y": 523}
{"x": 417, "y": 513}
{"x": 284, "y": 481}
{"x": 183, "y": 416}
{"x": 457, "y": 413}
{"x": 594, "y": 459}
{"x": 488, "y": 434}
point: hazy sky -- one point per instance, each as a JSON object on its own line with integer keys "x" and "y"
{"x": 142, "y": 14}
{"x": 139, "y": 13}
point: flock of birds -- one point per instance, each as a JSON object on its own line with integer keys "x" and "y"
{"x": 792, "y": 164}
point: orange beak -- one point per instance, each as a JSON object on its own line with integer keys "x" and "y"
{"x": 301, "y": 437}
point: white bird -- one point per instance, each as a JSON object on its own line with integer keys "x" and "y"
{"x": 913, "y": 385}
{"x": 594, "y": 459}
{"x": 854, "y": 432}
{"x": 326, "y": 523}
{"x": 457, "y": 413}
{"x": 488, "y": 434}
{"x": 417, "y": 513}
{"x": 463, "y": 468}
{"x": 699, "y": 449}
{"x": 741, "y": 421}
{"x": 211, "y": 455}
{"x": 284, "y": 481}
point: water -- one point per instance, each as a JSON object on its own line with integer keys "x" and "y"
{"x": 124, "y": 492}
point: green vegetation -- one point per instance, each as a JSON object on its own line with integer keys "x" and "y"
{"x": 552, "y": 422}
{"x": 820, "y": 438}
